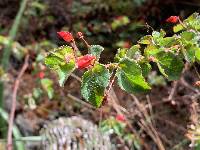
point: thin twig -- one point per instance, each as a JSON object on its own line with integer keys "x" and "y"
{"x": 146, "y": 123}
{"x": 184, "y": 83}
{"x": 80, "y": 101}
{"x": 12, "y": 113}
{"x": 196, "y": 71}
{"x": 149, "y": 105}
{"x": 76, "y": 77}
{"x": 173, "y": 91}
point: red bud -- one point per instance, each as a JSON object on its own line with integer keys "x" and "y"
{"x": 85, "y": 61}
{"x": 172, "y": 19}
{"x": 67, "y": 36}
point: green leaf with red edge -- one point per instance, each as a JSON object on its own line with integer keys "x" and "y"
{"x": 94, "y": 83}
{"x": 62, "y": 61}
{"x": 129, "y": 75}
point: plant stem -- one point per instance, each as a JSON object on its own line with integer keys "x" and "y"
{"x": 14, "y": 99}
{"x": 15, "y": 130}
{"x": 7, "y": 50}
{"x": 28, "y": 138}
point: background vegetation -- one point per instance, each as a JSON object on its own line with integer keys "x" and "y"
{"x": 164, "y": 116}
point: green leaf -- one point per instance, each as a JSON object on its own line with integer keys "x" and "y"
{"x": 167, "y": 42}
{"x": 151, "y": 50}
{"x": 96, "y": 50}
{"x": 47, "y": 85}
{"x": 121, "y": 53}
{"x": 178, "y": 28}
{"x": 134, "y": 52}
{"x": 56, "y": 61}
{"x": 156, "y": 35}
{"x": 130, "y": 77}
{"x": 188, "y": 36}
{"x": 162, "y": 33}
{"x": 169, "y": 65}
{"x": 94, "y": 83}
{"x": 146, "y": 68}
{"x": 197, "y": 53}
{"x": 146, "y": 40}
{"x": 189, "y": 53}
{"x": 193, "y": 22}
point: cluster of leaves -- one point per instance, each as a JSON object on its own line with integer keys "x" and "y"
{"x": 131, "y": 65}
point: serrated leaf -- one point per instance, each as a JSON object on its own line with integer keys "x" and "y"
{"x": 56, "y": 61}
{"x": 178, "y": 28}
{"x": 162, "y": 33}
{"x": 96, "y": 50}
{"x": 169, "y": 65}
{"x": 167, "y": 42}
{"x": 151, "y": 50}
{"x": 94, "y": 83}
{"x": 130, "y": 77}
{"x": 188, "y": 36}
{"x": 189, "y": 53}
{"x": 121, "y": 53}
{"x": 146, "y": 40}
{"x": 146, "y": 68}
{"x": 193, "y": 22}
{"x": 47, "y": 85}
{"x": 134, "y": 52}
{"x": 156, "y": 34}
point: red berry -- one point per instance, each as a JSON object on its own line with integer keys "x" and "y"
{"x": 172, "y": 19}
{"x": 67, "y": 36}
{"x": 85, "y": 61}
{"x": 41, "y": 75}
{"x": 120, "y": 117}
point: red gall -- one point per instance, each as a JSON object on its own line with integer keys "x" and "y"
{"x": 172, "y": 19}
{"x": 67, "y": 36}
{"x": 85, "y": 61}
